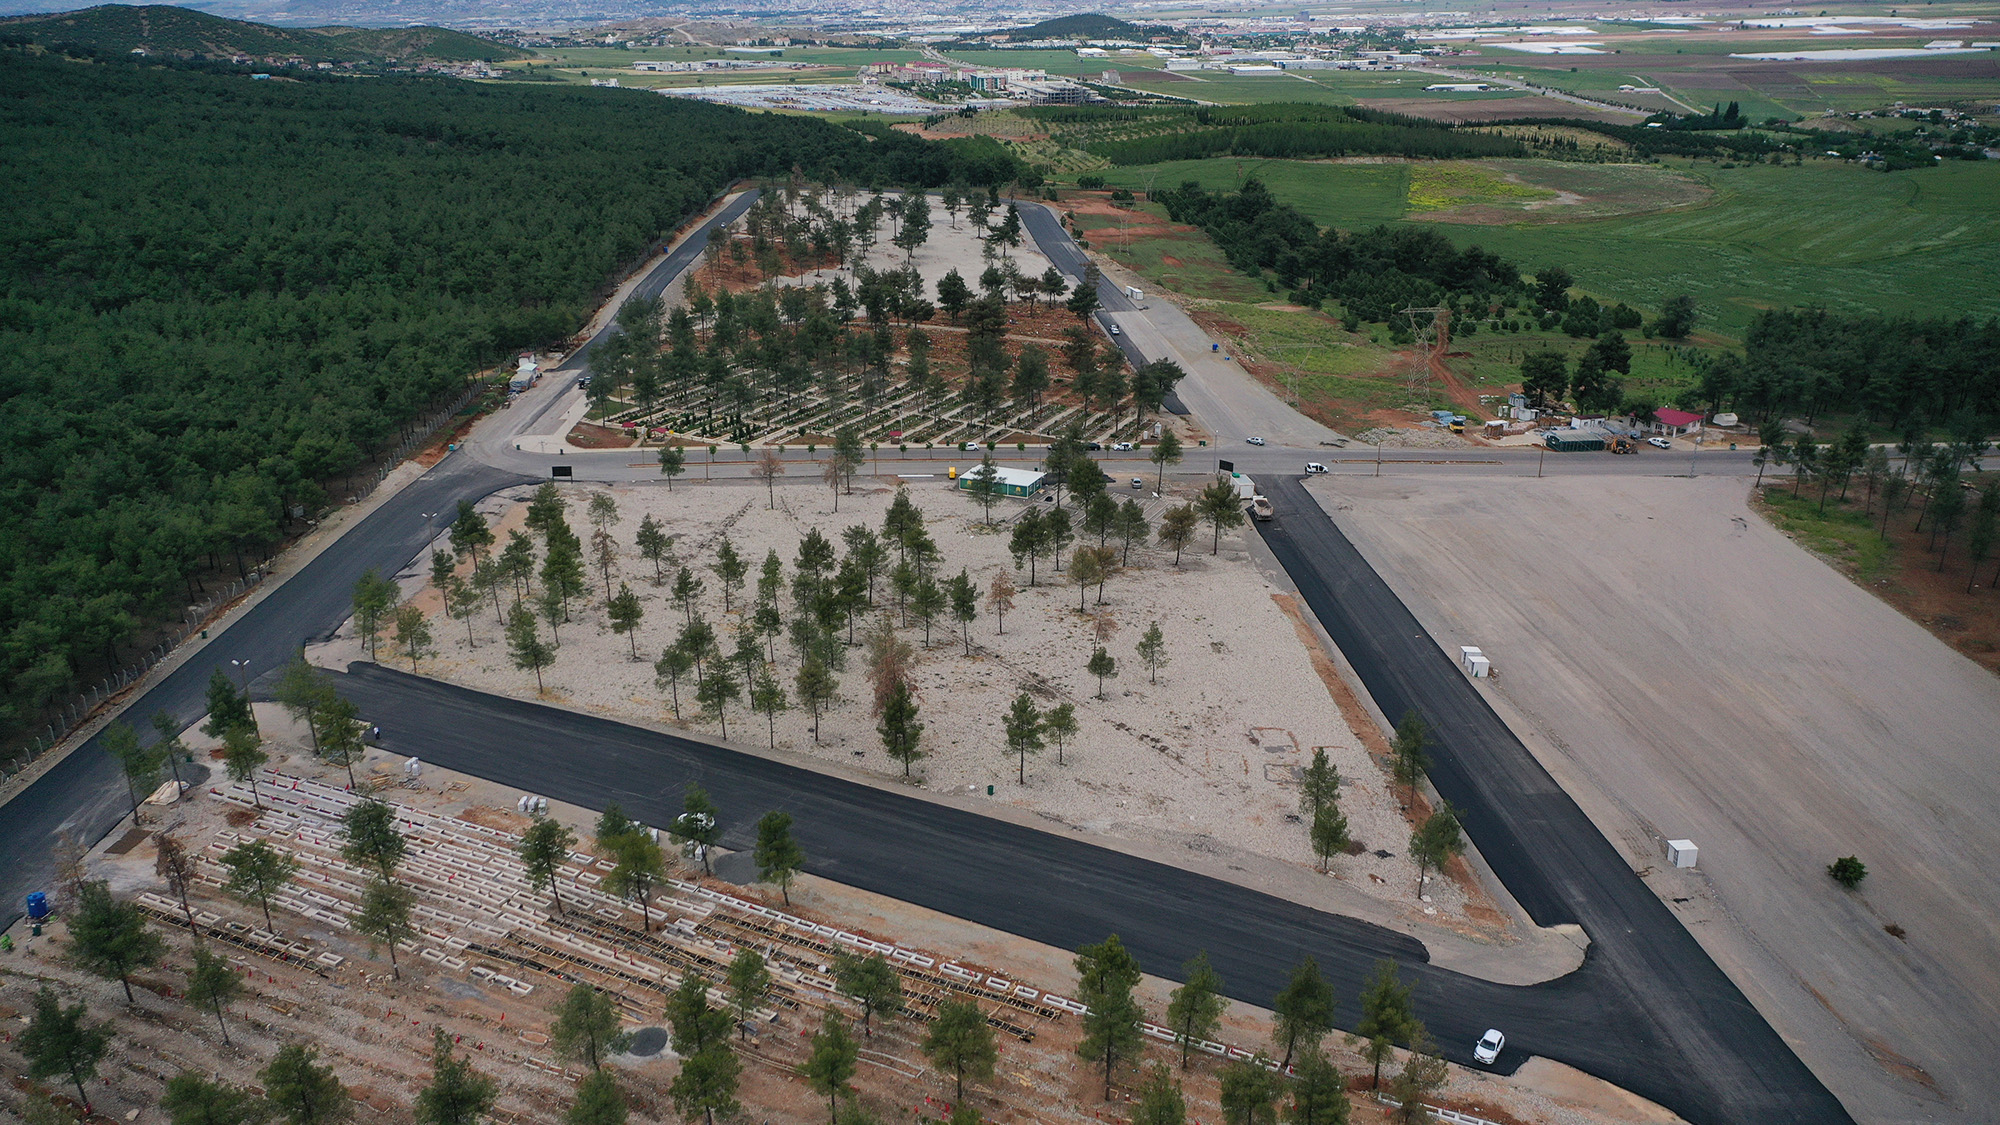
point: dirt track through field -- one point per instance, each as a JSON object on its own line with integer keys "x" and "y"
{"x": 1687, "y": 672}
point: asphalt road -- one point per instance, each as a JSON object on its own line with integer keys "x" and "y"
{"x": 1648, "y": 1010}
{"x": 1044, "y": 886}
{"x": 84, "y": 794}
{"x": 663, "y": 273}
{"x": 1688, "y": 1024}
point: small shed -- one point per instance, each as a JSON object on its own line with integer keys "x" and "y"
{"x": 1013, "y": 482}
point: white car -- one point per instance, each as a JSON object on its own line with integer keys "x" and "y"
{"x": 968, "y": 447}
{"x": 1659, "y": 443}
{"x": 1314, "y": 467}
{"x": 1254, "y": 440}
{"x": 1123, "y": 447}
{"x": 1114, "y": 330}
{"x": 1488, "y": 1047}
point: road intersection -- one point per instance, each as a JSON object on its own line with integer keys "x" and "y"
{"x": 1648, "y": 1010}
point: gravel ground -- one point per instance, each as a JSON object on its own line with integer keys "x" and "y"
{"x": 1204, "y": 759}
{"x": 1687, "y": 672}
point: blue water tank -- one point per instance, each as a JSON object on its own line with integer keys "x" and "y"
{"x": 38, "y": 906}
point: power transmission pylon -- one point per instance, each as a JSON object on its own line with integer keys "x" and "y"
{"x": 1430, "y": 332}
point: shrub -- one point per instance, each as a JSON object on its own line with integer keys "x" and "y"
{"x": 1848, "y": 871}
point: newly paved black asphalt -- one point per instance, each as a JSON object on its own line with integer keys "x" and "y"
{"x": 1648, "y": 1010}
{"x": 1050, "y": 887}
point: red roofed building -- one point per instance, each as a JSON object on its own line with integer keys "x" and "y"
{"x": 1676, "y": 422}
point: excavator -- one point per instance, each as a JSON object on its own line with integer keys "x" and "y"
{"x": 1624, "y": 445}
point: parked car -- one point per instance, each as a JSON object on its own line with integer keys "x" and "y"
{"x": 1659, "y": 443}
{"x": 1489, "y": 1045}
{"x": 969, "y": 447}
{"x": 1314, "y": 467}
{"x": 1137, "y": 484}
{"x": 1123, "y": 447}
{"x": 1254, "y": 440}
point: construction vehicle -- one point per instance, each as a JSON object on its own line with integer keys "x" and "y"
{"x": 1260, "y": 508}
{"x": 1620, "y": 444}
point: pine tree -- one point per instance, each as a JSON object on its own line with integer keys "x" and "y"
{"x": 1152, "y": 649}
{"x": 191, "y": 1099}
{"x": 303, "y": 1092}
{"x": 212, "y": 983}
{"x": 833, "y": 1061}
{"x": 457, "y": 1094}
{"x": 1059, "y": 723}
{"x": 109, "y": 938}
{"x": 1106, "y": 976}
{"x": 1387, "y": 1015}
{"x": 699, "y": 824}
{"x": 899, "y": 727}
{"x": 1101, "y": 665}
{"x": 544, "y": 849}
{"x": 1304, "y": 1009}
{"x": 1408, "y": 759}
{"x": 1023, "y": 725}
{"x": 1319, "y": 1093}
{"x": 1195, "y": 1008}
{"x": 384, "y": 918}
{"x": 1435, "y": 841}
{"x": 525, "y": 645}
{"x": 413, "y": 634}
{"x": 586, "y": 1026}
{"x": 256, "y": 872}
{"x": 625, "y": 613}
{"x": 599, "y": 1101}
{"x": 816, "y": 687}
{"x": 707, "y": 1083}
{"x": 777, "y": 855}
{"x": 1248, "y": 1087}
{"x": 372, "y": 838}
{"x": 58, "y": 1041}
{"x": 1160, "y": 1099}
{"x": 749, "y": 983}
{"x": 960, "y": 1042}
{"x": 639, "y": 869}
{"x": 871, "y": 982}
{"x": 964, "y": 597}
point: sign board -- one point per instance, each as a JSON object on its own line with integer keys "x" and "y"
{"x": 559, "y": 472}
{"x": 1225, "y": 466}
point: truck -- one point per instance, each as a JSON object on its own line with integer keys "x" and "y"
{"x": 1260, "y": 508}
{"x": 1135, "y": 293}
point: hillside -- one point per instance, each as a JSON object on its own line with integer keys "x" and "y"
{"x": 439, "y": 44}
{"x": 1090, "y": 25}
{"x": 217, "y": 294}
{"x": 118, "y": 29}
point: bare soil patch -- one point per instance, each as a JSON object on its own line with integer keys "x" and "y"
{"x": 1462, "y": 112}
{"x": 590, "y": 435}
{"x": 1688, "y": 673}
{"x": 1206, "y": 758}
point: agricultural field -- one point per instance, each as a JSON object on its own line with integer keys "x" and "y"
{"x": 1697, "y": 73}
{"x": 1737, "y": 239}
{"x": 822, "y": 64}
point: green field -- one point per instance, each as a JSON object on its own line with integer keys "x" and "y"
{"x": 1822, "y": 234}
{"x": 1685, "y": 69}
{"x": 580, "y": 64}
